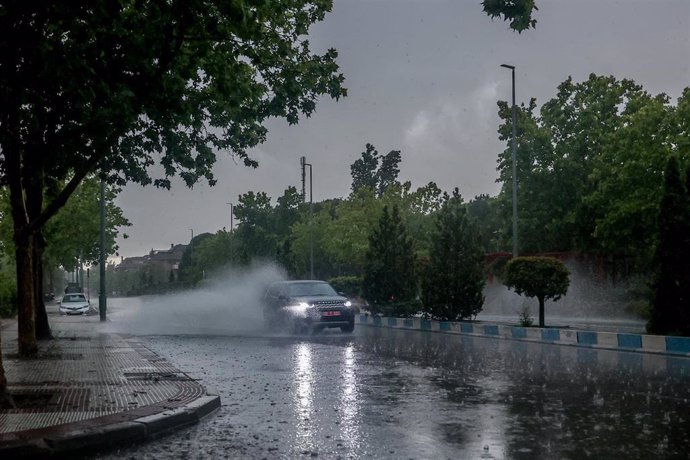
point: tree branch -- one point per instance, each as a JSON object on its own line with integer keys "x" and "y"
{"x": 60, "y": 200}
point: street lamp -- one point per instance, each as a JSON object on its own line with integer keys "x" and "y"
{"x": 232, "y": 224}
{"x": 513, "y": 148}
{"x": 303, "y": 163}
{"x": 102, "y": 302}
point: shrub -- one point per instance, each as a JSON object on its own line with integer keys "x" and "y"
{"x": 541, "y": 277}
{"x": 351, "y": 286}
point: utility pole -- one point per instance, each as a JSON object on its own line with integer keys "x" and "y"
{"x": 102, "y": 299}
{"x": 232, "y": 214}
{"x": 513, "y": 148}
{"x": 303, "y": 163}
{"x": 191, "y": 246}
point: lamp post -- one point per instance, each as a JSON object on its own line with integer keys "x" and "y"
{"x": 303, "y": 163}
{"x": 232, "y": 224}
{"x": 102, "y": 302}
{"x": 513, "y": 148}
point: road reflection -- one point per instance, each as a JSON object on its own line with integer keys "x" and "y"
{"x": 303, "y": 380}
{"x": 349, "y": 409}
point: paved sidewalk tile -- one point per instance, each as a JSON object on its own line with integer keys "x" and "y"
{"x": 88, "y": 388}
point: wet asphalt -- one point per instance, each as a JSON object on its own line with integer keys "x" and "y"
{"x": 381, "y": 393}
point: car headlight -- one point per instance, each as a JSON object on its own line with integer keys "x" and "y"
{"x": 299, "y": 309}
{"x": 348, "y": 304}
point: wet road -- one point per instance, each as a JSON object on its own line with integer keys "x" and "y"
{"x": 383, "y": 393}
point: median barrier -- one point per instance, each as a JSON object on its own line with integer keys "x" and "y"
{"x": 518, "y": 332}
{"x": 569, "y": 336}
{"x": 587, "y": 338}
{"x": 505, "y": 332}
{"x": 607, "y": 339}
{"x": 654, "y": 343}
{"x": 644, "y": 343}
{"x": 629, "y": 340}
{"x": 551, "y": 335}
{"x": 491, "y": 329}
{"x": 680, "y": 345}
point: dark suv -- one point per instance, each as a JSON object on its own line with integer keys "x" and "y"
{"x": 307, "y": 305}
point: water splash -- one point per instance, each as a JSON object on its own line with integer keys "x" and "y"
{"x": 227, "y": 303}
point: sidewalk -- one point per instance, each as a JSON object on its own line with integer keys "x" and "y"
{"x": 88, "y": 389}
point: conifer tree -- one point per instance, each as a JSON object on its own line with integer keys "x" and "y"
{"x": 389, "y": 282}
{"x": 454, "y": 279}
{"x": 670, "y": 304}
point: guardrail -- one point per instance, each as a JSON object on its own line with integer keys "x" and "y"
{"x": 644, "y": 343}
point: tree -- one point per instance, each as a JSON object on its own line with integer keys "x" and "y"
{"x": 518, "y": 12}
{"x": 671, "y": 305}
{"x": 454, "y": 279}
{"x": 355, "y": 219}
{"x": 255, "y": 234}
{"x": 375, "y": 171}
{"x": 191, "y": 265}
{"x": 387, "y": 174}
{"x": 567, "y": 152}
{"x": 483, "y": 212}
{"x": 312, "y": 232}
{"x": 533, "y": 154}
{"x": 287, "y": 211}
{"x": 105, "y": 86}
{"x": 73, "y": 235}
{"x": 389, "y": 281}
{"x": 71, "y": 238}
{"x": 363, "y": 170}
{"x": 630, "y": 176}
{"x": 541, "y": 277}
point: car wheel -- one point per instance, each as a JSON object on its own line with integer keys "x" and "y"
{"x": 349, "y": 328}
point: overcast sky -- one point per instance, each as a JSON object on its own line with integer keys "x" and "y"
{"x": 423, "y": 77}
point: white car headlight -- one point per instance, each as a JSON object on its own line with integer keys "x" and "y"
{"x": 299, "y": 309}
{"x": 348, "y": 303}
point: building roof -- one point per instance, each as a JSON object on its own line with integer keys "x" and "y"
{"x": 172, "y": 255}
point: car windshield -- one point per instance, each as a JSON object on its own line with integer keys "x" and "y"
{"x": 74, "y": 298}
{"x": 305, "y": 289}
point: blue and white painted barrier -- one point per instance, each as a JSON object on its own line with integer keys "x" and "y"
{"x": 591, "y": 339}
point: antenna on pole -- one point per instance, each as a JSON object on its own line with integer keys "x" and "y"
{"x": 302, "y": 162}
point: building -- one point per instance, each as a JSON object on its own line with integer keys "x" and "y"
{"x": 168, "y": 260}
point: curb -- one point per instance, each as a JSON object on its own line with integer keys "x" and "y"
{"x": 80, "y": 441}
{"x": 640, "y": 343}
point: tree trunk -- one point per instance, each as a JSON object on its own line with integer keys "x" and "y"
{"x": 41, "y": 316}
{"x": 26, "y": 324}
{"x": 34, "y": 205}
{"x": 541, "y": 312}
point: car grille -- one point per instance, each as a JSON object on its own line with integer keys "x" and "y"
{"x": 328, "y": 303}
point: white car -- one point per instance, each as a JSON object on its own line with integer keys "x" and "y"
{"x": 74, "y": 304}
